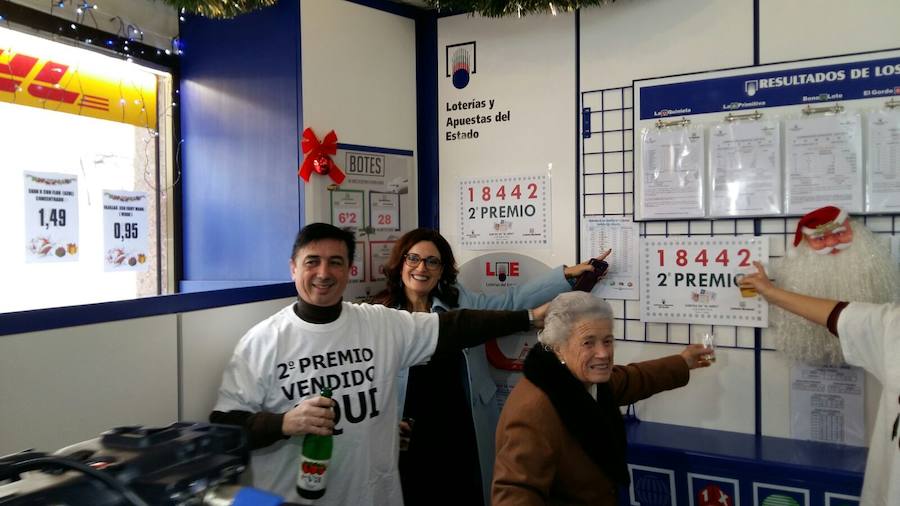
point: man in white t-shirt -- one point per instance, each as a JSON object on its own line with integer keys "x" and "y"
{"x": 272, "y": 383}
{"x": 870, "y": 338}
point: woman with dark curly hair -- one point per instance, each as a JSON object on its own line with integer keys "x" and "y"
{"x": 450, "y": 451}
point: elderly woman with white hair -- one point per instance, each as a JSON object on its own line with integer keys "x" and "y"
{"x": 561, "y": 437}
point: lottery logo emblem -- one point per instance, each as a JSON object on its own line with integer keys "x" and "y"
{"x": 712, "y": 495}
{"x": 779, "y": 500}
{"x": 461, "y": 63}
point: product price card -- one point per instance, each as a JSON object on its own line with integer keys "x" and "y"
{"x": 125, "y": 233}
{"x": 695, "y": 280}
{"x": 503, "y": 212}
{"x": 379, "y": 253}
{"x": 385, "y": 211}
{"x": 51, "y": 217}
{"x": 358, "y": 268}
{"x": 347, "y": 209}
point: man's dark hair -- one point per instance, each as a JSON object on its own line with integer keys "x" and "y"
{"x": 319, "y": 231}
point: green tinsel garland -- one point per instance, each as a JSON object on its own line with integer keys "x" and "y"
{"x": 220, "y": 8}
{"x": 500, "y": 8}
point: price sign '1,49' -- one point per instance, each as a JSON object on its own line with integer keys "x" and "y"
{"x": 51, "y": 217}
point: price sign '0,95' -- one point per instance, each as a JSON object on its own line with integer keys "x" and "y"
{"x": 504, "y": 211}
{"x": 696, "y": 280}
{"x": 125, "y": 238}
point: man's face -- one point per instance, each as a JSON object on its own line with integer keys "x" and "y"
{"x": 833, "y": 241}
{"x": 320, "y": 271}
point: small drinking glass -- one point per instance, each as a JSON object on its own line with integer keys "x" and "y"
{"x": 709, "y": 342}
{"x": 748, "y": 291}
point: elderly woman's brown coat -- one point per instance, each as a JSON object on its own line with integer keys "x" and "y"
{"x": 539, "y": 459}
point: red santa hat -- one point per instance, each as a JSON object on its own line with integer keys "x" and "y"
{"x": 818, "y": 222}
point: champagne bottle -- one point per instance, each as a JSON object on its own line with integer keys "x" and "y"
{"x": 314, "y": 459}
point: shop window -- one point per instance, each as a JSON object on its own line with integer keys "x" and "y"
{"x": 85, "y": 178}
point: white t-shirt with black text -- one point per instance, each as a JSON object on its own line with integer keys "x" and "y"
{"x": 870, "y": 338}
{"x": 284, "y": 360}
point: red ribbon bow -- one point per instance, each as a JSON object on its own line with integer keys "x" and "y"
{"x": 317, "y": 156}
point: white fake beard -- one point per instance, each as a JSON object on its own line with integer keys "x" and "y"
{"x": 864, "y": 272}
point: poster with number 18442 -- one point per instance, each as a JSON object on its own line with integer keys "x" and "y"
{"x": 695, "y": 280}
{"x": 504, "y": 212}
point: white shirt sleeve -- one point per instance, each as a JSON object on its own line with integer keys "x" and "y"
{"x": 863, "y": 329}
{"x": 240, "y": 389}
{"x": 423, "y": 341}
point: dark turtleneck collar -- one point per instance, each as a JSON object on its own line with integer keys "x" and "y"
{"x": 595, "y": 423}
{"x": 317, "y": 314}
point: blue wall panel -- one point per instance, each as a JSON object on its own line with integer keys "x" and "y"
{"x": 240, "y": 117}
{"x": 426, "y": 110}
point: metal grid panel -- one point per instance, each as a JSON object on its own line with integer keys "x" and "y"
{"x": 607, "y": 187}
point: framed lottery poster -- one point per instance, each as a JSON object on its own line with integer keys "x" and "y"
{"x": 504, "y": 212}
{"x": 695, "y": 280}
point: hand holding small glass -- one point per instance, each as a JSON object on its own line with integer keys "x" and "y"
{"x": 709, "y": 344}
{"x": 758, "y": 281}
{"x": 696, "y": 355}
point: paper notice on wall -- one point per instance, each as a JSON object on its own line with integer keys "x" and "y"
{"x": 621, "y": 235}
{"x": 883, "y": 162}
{"x": 695, "y": 280}
{"x": 823, "y": 163}
{"x": 126, "y": 239}
{"x": 745, "y": 169}
{"x": 51, "y": 217}
{"x": 827, "y": 404}
{"x": 504, "y": 212}
{"x": 672, "y": 174}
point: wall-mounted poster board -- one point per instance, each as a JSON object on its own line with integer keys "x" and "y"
{"x": 376, "y": 201}
{"x": 780, "y": 139}
{"x": 695, "y": 280}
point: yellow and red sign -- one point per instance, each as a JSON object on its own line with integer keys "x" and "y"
{"x": 45, "y": 74}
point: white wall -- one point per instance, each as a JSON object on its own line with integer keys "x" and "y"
{"x": 638, "y": 39}
{"x": 66, "y": 385}
{"x": 63, "y": 386}
{"x": 358, "y": 79}
{"x": 797, "y": 29}
{"x": 528, "y": 67}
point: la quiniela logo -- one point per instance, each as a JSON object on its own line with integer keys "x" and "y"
{"x": 460, "y": 63}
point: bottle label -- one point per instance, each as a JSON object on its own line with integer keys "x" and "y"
{"x": 312, "y": 474}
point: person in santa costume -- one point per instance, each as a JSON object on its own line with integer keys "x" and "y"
{"x": 833, "y": 257}
{"x": 869, "y": 336}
